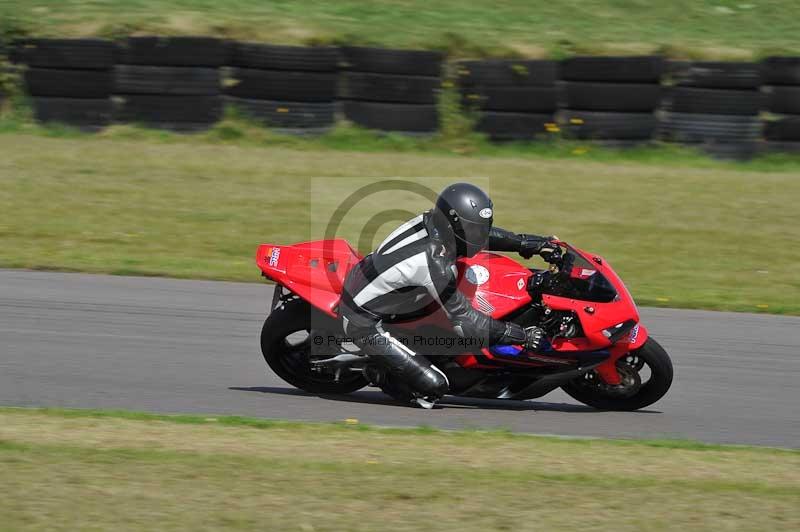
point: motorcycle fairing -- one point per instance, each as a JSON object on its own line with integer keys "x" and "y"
{"x": 313, "y": 270}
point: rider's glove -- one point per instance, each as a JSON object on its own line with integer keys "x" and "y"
{"x": 535, "y": 245}
{"x": 530, "y": 246}
{"x": 533, "y": 338}
{"x": 550, "y": 252}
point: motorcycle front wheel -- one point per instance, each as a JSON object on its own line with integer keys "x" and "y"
{"x": 646, "y": 376}
{"x": 286, "y": 341}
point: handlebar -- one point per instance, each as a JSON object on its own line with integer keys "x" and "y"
{"x": 546, "y": 280}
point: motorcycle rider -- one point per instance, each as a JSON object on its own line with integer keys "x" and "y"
{"x": 414, "y": 269}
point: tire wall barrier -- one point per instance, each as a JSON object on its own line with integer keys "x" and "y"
{"x": 513, "y": 99}
{"x": 69, "y": 81}
{"x": 611, "y": 99}
{"x": 290, "y": 88}
{"x": 716, "y": 106}
{"x": 781, "y": 78}
{"x": 391, "y": 90}
{"x": 731, "y": 109}
{"x": 169, "y": 82}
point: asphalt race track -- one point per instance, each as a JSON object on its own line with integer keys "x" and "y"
{"x": 86, "y": 341}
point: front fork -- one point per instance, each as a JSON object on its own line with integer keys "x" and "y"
{"x": 608, "y": 369}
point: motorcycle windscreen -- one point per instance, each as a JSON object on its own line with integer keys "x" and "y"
{"x": 581, "y": 280}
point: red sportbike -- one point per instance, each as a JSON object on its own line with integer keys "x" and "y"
{"x": 596, "y": 349}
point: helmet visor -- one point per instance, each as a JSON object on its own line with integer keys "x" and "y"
{"x": 474, "y": 234}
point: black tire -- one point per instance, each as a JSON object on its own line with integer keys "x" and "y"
{"x": 173, "y": 51}
{"x": 401, "y": 117}
{"x": 84, "y": 113}
{"x": 637, "y": 69}
{"x": 699, "y": 128}
{"x": 783, "y": 99}
{"x": 714, "y": 101}
{"x": 182, "y": 113}
{"x": 288, "y": 362}
{"x": 514, "y": 99}
{"x": 717, "y": 75}
{"x": 731, "y": 151}
{"x": 387, "y": 61}
{"x": 280, "y": 85}
{"x": 651, "y": 391}
{"x": 189, "y": 81}
{"x": 290, "y": 116}
{"x": 395, "y": 88}
{"x": 616, "y": 144}
{"x": 781, "y": 146}
{"x": 626, "y": 97}
{"x": 673, "y": 67}
{"x": 275, "y": 57}
{"x": 84, "y": 54}
{"x": 781, "y": 71}
{"x": 504, "y": 126}
{"x": 785, "y": 129}
{"x": 507, "y": 72}
{"x": 594, "y": 125}
{"x": 66, "y": 83}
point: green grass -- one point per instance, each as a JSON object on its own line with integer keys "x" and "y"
{"x": 72, "y": 470}
{"x": 709, "y": 28}
{"x": 351, "y": 424}
{"x": 686, "y": 232}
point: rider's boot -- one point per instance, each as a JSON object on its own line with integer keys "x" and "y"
{"x": 425, "y": 403}
{"x": 416, "y": 371}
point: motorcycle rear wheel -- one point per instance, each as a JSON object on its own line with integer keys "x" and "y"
{"x": 590, "y": 391}
{"x": 286, "y": 345}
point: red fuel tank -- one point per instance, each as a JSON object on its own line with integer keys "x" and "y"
{"x": 495, "y": 283}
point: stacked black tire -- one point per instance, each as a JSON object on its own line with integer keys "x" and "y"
{"x": 289, "y": 88}
{"x": 2, "y": 73}
{"x": 70, "y": 80}
{"x": 391, "y": 90}
{"x": 781, "y": 76}
{"x": 611, "y": 100}
{"x": 714, "y": 106}
{"x": 169, "y": 82}
{"x": 515, "y": 100}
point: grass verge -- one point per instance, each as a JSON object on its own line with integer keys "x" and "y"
{"x": 69, "y": 470}
{"x": 682, "y": 231}
{"x": 706, "y": 28}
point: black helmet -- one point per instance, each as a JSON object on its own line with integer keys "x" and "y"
{"x": 465, "y": 211}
